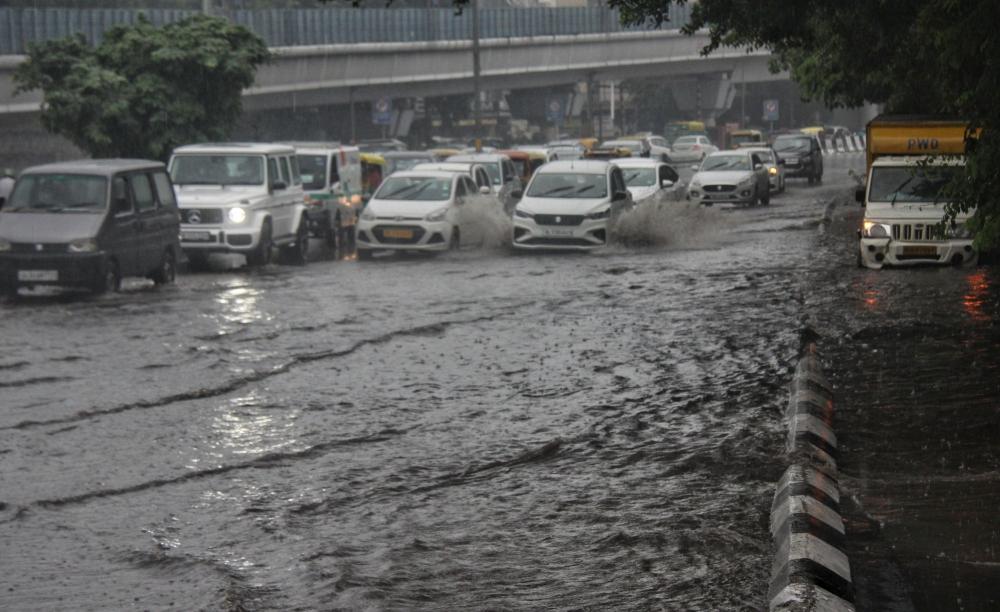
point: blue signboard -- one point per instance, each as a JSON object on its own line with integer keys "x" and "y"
{"x": 382, "y": 111}
{"x": 770, "y": 110}
{"x": 555, "y": 109}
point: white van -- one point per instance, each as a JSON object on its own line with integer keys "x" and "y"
{"x": 331, "y": 179}
{"x": 240, "y": 198}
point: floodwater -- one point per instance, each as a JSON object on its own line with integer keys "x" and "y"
{"x": 476, "y": 430}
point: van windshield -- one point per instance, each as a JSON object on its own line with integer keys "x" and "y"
{"x": 217, "y": 170}
{"x": 910, "y": 184}
{"x": 59, "y": 193}
{"x": 313, "y": 170}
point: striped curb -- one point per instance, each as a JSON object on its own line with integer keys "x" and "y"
{"x": 810, "y": 571}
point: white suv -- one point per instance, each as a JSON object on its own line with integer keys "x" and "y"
{"x": 240, "y": 198}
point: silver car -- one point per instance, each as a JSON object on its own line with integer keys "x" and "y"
{"x": 774, "y": 165}
{"x": 735, "y": 177}
{"x": 692, "y": 148}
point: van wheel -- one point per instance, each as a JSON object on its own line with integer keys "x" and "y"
{"x": 167, "y": 271}
{"x": 261, "y": 256}
{"x": 110, "y": 281}
{"x": 296, "y": 254}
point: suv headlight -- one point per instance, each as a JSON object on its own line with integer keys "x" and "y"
{"x": 4, "y": 245}
{"x": 523, "y": 214}
{"x": 871, "y": 229}
{"x": 772, "y": 170}
{"x": 237, "y": 215}
{"x": 368, "y": 214}
{"x": 83, "y": 245}
{"x": 437, "y": 215}
{"x": 601, "y": 214}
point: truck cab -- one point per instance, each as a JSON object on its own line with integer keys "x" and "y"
{"x": 910, "y": 161}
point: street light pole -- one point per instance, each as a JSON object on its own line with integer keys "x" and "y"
{"x": 477, "y": 109}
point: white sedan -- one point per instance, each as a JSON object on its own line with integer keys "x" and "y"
{"x": 692, "y": 148}
{"x": 415, "y": 211}
{"x": 736, "y": 177}
{"x": 647, "y": 178}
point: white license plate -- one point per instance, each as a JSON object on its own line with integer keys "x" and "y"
{"x": 189, "y": 236}
{"x": 37, "y": 275}
{"x": 558, "y": 232}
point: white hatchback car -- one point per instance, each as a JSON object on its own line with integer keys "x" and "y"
{"x": 646, "y": 178}
{"x": 570, "y": 205}
{"x": 414, "y": 210}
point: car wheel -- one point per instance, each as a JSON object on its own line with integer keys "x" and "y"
{"x": 167, "y": 271}
{"x": 297, "y": 253}
{"x": 110, "y": 281}
{"x": 261, "y": 255}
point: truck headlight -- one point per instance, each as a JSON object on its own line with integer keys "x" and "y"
{"x": 871, "y": 229}
{"x": 83, "y": 245}
{"x": 237, "y": 215}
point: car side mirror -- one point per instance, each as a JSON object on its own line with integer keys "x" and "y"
{"x": 485, "y": 190}
{"x": 859, "y": 195}
{"x": 278, "y": 185}
{"x": 758, "y": 166}
{"x": 666, "y": 183}
{"x": 517, "y": 194}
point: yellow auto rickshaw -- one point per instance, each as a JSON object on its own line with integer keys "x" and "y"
{"x": 525, "y": 162}
{"x": 738, "y": 138}
{"x": 372, "y": 172}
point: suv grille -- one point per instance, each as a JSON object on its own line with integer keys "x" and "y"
{"x": 916, "y": 232}
{"x": 203, "y": 216}
{"x": 558, "y": 219}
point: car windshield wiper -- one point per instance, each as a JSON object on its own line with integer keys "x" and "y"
{"x": 551, "y": 191}
{"x": 895, "y": 192}
{"x": 584, "y": 188}
{"x": 196, "y": 183}
{"x": 389, "y": 196}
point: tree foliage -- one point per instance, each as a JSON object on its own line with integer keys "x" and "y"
{"x": 913, "y": 56}
{"x": 144, "y": 90}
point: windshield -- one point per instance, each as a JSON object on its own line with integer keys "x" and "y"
{"x": 791, "y": 145}
{"x": 217, "y": 170}
{"x": 403, "y": 163}
{"x": 420, "y": 188}
{"x": 313, "y": 170}
{"x": 494, "y": 171}
{"x": 724, "y": 163}
{"x": 639, "y": 177}
{"x": 520, "y": 167}
{"x": 741, "y": 138}
{"x": 910, "y": 184}
{"x": 59, "y": 193}
{"x": 552, "y": 185}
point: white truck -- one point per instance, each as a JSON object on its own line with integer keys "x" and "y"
{"x": 910, "y": 160}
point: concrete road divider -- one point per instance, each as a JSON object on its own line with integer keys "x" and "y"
{"x": 810, "y": 571}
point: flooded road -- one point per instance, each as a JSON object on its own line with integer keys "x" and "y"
{"x": 479, "y": 430}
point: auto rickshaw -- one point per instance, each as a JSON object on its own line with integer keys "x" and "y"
{"x": 609, "y": 153}
{"x": 373, "y": 168}
{"x": 589, "y": 143}
{"x": 525, "y": 162}
{"x": 738, "y": 138}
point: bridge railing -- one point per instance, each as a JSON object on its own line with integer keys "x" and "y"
{"x": 292, "y": 27}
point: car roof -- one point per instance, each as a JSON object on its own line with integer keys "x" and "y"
{"x": 426, "y": 174}
{"x": 407, "y": 155}
{"x": 637, "y": 162}
{"x": 225, "y": 148}
{"x": 477, "y": 157}
{"x": 730, "y": 153}
{"x": 102, "y": 167}
{"x": 691, "y": 137}
{"x": 757, "y": 149}
{"x": 580, "y": 166}
{"x": 445, "y": 166}
{"x": 320, "y": 147}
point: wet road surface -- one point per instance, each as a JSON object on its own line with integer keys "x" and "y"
{"x": 479, "y": 430}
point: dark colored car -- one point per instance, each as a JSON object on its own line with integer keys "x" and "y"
{"x": 89, "y": 223}
{"x": 802, "y": 155}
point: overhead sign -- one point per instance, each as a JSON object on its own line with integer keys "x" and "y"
{"x": 555, "y": 109}
{"x": 382, "y": 111}
{"x": 770, "y": 110}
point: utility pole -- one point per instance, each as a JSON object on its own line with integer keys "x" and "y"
{"x": 743, "y": 95}
{"x": 477, "y": 110}
{"x": 206, "y": 7}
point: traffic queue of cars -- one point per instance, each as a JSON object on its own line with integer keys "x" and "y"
{"x": 90, "y": 223}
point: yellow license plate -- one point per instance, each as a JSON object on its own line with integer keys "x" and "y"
{"x": 398, "y": 233}
{"x": 920, "y": 251}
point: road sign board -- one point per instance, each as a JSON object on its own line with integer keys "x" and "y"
{"x": 382, "y": 111}
{"x": 555, "y": 109}
{"x": 770, "y": 110}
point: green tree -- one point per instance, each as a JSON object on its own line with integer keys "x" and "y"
{"x": 144, "y": 90}
{"x": 914, "y": 56}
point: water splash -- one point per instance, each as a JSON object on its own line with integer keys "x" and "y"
{"x": 667, "y": 220}
{"x": 484, "y": 222}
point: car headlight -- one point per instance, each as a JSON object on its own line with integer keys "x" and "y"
{"x": 601, "y": 214}
{"x": 83, "y": 245}
{"x": 523, "y": 214}
{"x": 368, "y": 215}
{"x": 773, "y": 171}
{"x": 4, "y": 245}
{"x": 437, "y": 215}
{"x": 871, "y": 229}
{"x": 237, "y": 215}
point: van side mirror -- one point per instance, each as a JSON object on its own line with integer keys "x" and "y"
{"x": 859, "y": 195}
{"x": 758, "y": 166}
{"x": 666, "y": 183}
{"x": 694, "y": 167}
